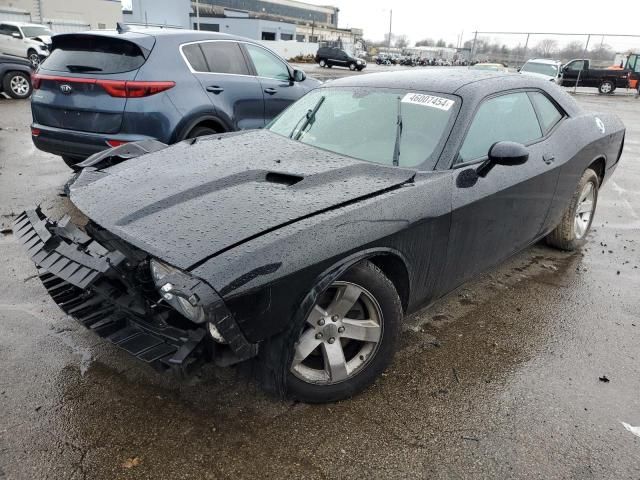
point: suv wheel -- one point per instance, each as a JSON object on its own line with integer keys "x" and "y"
{"x": 352, "y": 66}
{"x": 322, "y": 63}
{"x": 17, "y": 85}
{"x": 34, "y": 58}
{"x": 347, "y": 340}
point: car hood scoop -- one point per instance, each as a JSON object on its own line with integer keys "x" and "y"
{"x": 196, "y": 199}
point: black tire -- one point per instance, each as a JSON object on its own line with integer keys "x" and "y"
{"x": 71, "y": 162}
{"x": 352, "y": 66}
{"x": 322, "y": 63}
{"x": 34, "y": 58}
{"x": 17, "y": 85}
{"x": 374, "y": 283}
{"x": 606, "y": 87}
{"x": 201, "y": 131}
{"x": 564, "y": 237}
{"x": 329, "y": 65}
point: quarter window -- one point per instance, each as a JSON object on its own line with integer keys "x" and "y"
{"x": 195, "y": 57}
{"x": 267, "y": 65}
{"x": 224, "y": 57}
{"x": 505, "y": 118}
{"x": 547, "y": 111}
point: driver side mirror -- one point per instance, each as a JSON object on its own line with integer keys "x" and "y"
{"x": 504, "y": 153}
{"x": 299, "y": 76}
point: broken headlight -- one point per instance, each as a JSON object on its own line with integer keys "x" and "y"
{"x": 184, "y": 302}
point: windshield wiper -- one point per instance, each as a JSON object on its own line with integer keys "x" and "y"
{"x": 82, "y": 68}
{"x": 396, "y": 147}
{"x": 308, "y": 119}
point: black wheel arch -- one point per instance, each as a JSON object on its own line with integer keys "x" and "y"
{"x": 209, "y": 120}
{"x": 390, "y": 261}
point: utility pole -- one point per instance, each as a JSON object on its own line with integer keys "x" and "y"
{"x": 390, "y": 23}
{"x": 584, "y": 55}
{"x": 197, "y": 15}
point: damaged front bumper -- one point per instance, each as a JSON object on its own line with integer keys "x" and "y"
{"x": 101, "y": 288}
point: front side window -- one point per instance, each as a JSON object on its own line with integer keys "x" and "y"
{"x": 547, "y": 111}
{"x": 577, "y": 65}
{"x": 508, "y": 117}
{"x": 224, "y": 57}
{"x": 267, "y": 64}
{"x": 364, "y": 123}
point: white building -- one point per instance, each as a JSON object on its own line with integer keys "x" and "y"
{"x": 64, "y": 15}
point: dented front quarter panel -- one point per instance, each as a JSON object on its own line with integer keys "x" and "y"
{"x": 265, "y": 280}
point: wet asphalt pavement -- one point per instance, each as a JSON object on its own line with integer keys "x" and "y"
{"x": 499, "y": 380}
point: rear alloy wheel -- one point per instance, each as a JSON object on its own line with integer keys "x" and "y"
{"x": 572, "y": 231}
{"x": 17, "y": 85}
{"x": 34, "y": 58}
{"x": 348, "y": 339}
{"x": 606, "y": 87}
{"x": 323, "y": 63}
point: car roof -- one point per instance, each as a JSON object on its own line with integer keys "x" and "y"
{"x": 176, "y": 34}
{"x": 544, "y": 60}
{"x": 442, "y": 80}
{"x": 22, "y": 24}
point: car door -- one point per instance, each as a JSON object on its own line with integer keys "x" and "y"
{"x": 275, "y": 76}
{"x": 222, "y": 70}
{"x": 7, "y": 41}
{"x": 495, "y": 216}
{"x": 570, "y": 72}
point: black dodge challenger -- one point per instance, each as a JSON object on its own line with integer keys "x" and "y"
{"x": 303, "y": 245}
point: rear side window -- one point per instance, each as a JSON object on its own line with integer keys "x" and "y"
{"x": 547, "y": 111}
{"x": 94, "y": 54}
{"x": 507, "y": 117}
{"x": 224, "y": 57}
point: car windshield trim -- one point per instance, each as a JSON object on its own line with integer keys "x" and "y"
{"x": 416, "y": 154}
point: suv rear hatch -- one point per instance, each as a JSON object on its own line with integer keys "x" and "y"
{"x": 84, "y": 84}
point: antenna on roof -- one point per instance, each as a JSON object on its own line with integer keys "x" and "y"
{"x": 122, "y": 27}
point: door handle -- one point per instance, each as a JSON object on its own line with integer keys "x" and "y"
{"x": 548, "y": 158}
{"x": 270, "y": 91}
{"x": 215, "y": 89}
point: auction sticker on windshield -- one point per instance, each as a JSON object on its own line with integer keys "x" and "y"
{"x": 428, "y": 101}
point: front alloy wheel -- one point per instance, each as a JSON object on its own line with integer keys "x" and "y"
{"x": 340, "y": 338}
{"x": 348, "y": 338}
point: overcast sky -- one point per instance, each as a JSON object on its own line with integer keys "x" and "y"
{"x": 447, "y": 19}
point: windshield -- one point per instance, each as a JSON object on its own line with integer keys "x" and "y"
{"x": 31, "y": 32}
{"x": 543, "y": 68}
{"x": 391, "y": 127}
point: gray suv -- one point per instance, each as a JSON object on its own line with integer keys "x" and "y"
{"x": 102, "y": 89}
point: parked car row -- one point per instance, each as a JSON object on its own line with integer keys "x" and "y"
{"x": 101, "y": 89}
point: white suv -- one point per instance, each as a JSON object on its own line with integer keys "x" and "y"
{"x": 543, "y": 68}
{"x": 27, "y": 40}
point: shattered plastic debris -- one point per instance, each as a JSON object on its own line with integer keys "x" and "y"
{"x": 634, "y": 430}
{"x": 604, "y": 379}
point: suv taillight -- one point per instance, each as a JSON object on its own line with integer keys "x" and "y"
{"x": 115, "y": 88}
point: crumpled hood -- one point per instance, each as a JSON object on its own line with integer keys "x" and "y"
{"x": 46, "y": 39}
{"x": 190, "y": 202}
